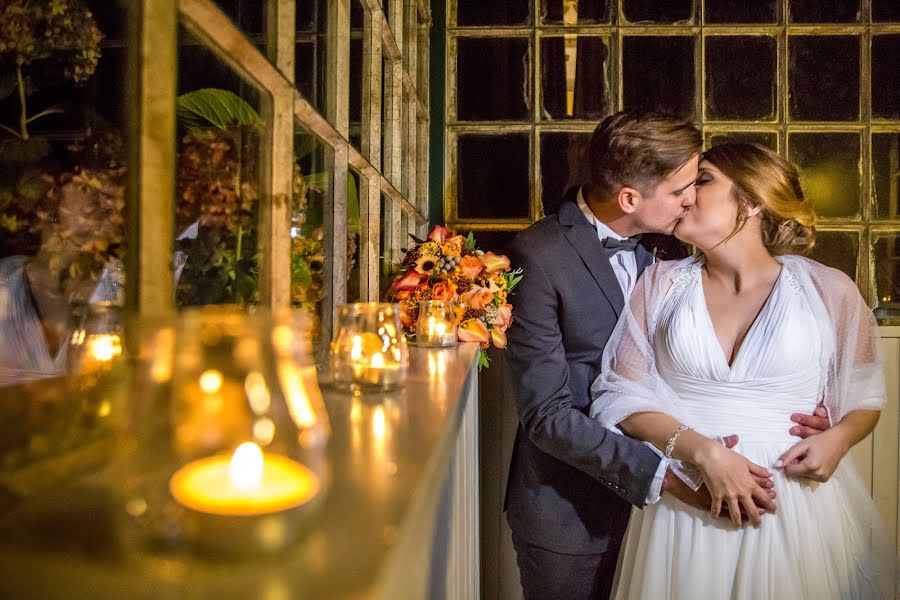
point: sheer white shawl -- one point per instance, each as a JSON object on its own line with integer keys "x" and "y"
{"x": 629, "y": 382}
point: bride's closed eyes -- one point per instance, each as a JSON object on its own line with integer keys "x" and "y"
{"x": 703, "y": 178}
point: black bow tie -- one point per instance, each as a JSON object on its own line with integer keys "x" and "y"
{"x": 628, "y": 244}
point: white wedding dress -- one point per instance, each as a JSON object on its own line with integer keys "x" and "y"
{"x": 822, "y": 542}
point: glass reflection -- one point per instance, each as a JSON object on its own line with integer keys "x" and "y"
{"x": 823, "y": 77}
{"x": 312, "y": 186}
{"x": 740, "y": 78}
{"x": 659, "y": 74}
{"x": 886, "y": 76}
{"x": 886, "y": 259}
{"x": 829, "y": 171}
{"x": 770, "y": 140}
{"x": 573, "y": 77}
{"x": 491, "y": 77}
{"x": 62, "y": 180}
{"x": 563, "y": 165}
{"x": 838, "y": 249}
{"x": 570, "y": 12}
{"x": 740, "y": 11}
{"x": 493, "y": 176}
{"x": 886, "y": 174}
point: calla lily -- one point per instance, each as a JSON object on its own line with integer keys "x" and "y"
{"x": 439, "y": 234}
{"x": 407, "y": 283}
{"x": 498, "y": 337}
{"x": 493, "y": 262}
{"x": 473, "y": 330}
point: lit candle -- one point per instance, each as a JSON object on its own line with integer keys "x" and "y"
{"x": 245, "y": 484}
{"x": 436, "y": 324}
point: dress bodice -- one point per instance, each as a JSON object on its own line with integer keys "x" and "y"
{"x": 776, "y": 371}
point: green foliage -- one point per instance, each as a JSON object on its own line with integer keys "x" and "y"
{"x": 470, "y": 242}
{"x": 215, "y": 107}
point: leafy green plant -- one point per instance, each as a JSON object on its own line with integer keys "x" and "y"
{"x": 35, "y": 35}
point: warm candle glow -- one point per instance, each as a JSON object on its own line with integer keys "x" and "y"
{"x": 210, "y": 381}
{"x": 249, "y": 482}
{"x": 246, "y": 469}
{"x": 104, "y": 347}
{"x": 378, "y": 360}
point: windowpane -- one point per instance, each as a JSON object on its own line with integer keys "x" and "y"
{"x": 310, "y": 61}
{"x": 740, "y": 78}
{"x": 886, "y": 11}
{"x": 886, "y": 174}
{"x": 583, "y": 12}
{"x": 886, "y": 76}
{"x": 838, "y": 249}
{"x": 574, "y": 77}
{"x": 353, "y": 237}
{"x": 886, "y": 250}
{"x": 824, "y": 78}
{"x": 740, "y": 11}
{"x": 249, "y": 16}
{"x": 494, "y": 241}
{"x": 490, "y": 78}
{"x": 356, "y": 90}
{"x": 829, "y": 171}
{"x": 672, "y": 11}
{"x": 493, "y": 12}
{"x": 62, "y": 212}
{"x": 563, "y": 165}
{"x": 218, "y": 183}
{"x": 313, "y": 163}
{"x": 770, "y": 140}
{"x": 659, "y": 74}
{"x": 824, "y": 11}
{"x": 493, "y": 176}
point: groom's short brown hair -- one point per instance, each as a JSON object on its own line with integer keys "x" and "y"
{"x": 639, "y": 150}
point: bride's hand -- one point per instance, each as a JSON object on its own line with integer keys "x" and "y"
{"x": 731, "y": 480}
{"x": 816, "y": 457}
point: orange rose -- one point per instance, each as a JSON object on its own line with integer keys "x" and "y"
{"x": 501, "y": 318}
{"x": 477, "y": 297}
{"x": 494, "y": 263}
{"x": 470, "y": 266}
{"x": 473, "y": 330}
{"x": 441, "y": 291}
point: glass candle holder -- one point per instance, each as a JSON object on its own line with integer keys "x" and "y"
{"x": 368, "y": 350}
{"x": 436, "y": 326}
{"x": 225, "y": 454}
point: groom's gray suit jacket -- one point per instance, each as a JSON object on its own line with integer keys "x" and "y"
{"x": 571, "y": 481}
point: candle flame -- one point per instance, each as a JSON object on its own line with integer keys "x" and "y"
{"x": 246, "y": 468}
{"x": 378, "y": 360}
{"x": 104, "y": 347}
{"x": 210, "y": 381}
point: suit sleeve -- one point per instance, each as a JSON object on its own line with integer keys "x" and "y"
{"x": 540, "y": 377}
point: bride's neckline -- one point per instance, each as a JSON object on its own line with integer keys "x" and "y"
{"x": 737, "y": 350}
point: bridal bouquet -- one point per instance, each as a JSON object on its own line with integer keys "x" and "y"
{"x": 450, "y": 267}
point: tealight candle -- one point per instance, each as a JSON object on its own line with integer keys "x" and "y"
{"x": 245, "y": 484}
{"x": 437, "y": 324}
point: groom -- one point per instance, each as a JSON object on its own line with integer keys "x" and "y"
{"x": 572, "y": 482}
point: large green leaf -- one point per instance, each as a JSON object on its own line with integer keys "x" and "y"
{"x": 214, "y": 107}
{"x": 8, "y": 84}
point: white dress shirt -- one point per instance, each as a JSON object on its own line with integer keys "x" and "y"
{"x": 624, "y": 265}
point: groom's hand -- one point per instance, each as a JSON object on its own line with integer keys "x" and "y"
{"x": 701, "y": 499}
{"x": 808, "y": 425}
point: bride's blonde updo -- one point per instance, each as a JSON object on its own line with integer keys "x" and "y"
{"x": 763, "y": 178}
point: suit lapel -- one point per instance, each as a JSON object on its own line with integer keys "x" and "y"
{"x": 643, "y": 258}
{"x": 583, "y": 238}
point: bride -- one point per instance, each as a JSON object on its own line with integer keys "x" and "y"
{"x": 736, "y": 340}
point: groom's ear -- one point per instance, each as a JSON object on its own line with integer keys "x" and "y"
{"x": 629, "y": 199}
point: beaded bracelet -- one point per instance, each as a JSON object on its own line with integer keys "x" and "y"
{"x": 670, "y": 445}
